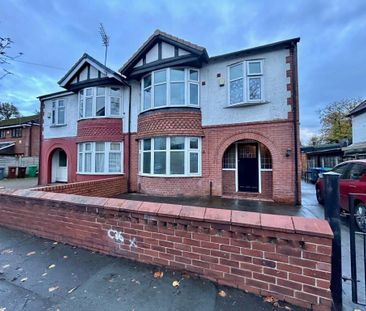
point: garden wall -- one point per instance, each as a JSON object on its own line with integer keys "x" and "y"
{"x": 287, "y": 257}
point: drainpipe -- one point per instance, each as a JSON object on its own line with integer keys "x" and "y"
{"x": 129, "y": 137}
{"x": 293, "y": 51}
{"x": 40, "y": 141}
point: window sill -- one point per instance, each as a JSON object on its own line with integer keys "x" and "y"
{"x": 169, "y": 176}
{"x": 170, "y": 106}
{"x": 57, "y": 125}
{"x": 102, "y": 117}
{"x": 245, "y": 104}
{"x": 96, "y": 174}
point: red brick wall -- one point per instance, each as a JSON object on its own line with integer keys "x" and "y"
{"x": 107, "y": 187}
{"x": 287, "y": 257}
{"x": 168, "y": 123}
{"x": 104, "y": 129}
{"x": 228, "y": 182}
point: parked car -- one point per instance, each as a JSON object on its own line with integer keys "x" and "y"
{"x": 351, "y": 180}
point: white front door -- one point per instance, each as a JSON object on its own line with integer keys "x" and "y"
{"x": 59, "y": 166}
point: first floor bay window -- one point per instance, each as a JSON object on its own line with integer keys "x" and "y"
{"x": 170, "y": 156}
{"x": 100, "y": 158}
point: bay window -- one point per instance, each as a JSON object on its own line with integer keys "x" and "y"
{"x": 170, "y": 156}
{"x": 170, "y": 87}
{"x": 100, "y": 158}
{"x": 246, "y": 82}
{"x": 100, "y": 102}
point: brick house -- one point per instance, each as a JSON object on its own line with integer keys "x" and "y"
{"x": 175, "y": 121}
{"x": 20, "y": 136}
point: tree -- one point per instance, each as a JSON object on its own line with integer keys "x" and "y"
{"x": 8, "y": 111}
{"x": 5, "y": 58}
{"x": 335, "y": 122}
{"x": 314, "y": 140}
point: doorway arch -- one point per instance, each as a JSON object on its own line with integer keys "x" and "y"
{"x": 59, "y": 165}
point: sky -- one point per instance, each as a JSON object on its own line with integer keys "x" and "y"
{"x": 54, "y": 34}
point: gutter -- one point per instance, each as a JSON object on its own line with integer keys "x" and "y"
{"x": 293, "y": 50}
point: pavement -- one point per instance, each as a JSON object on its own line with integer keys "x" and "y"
{"x": 19, "y": 183}
{"x": 39, "y": 274}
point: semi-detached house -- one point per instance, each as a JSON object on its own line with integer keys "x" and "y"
{"x": 176, "y": 122}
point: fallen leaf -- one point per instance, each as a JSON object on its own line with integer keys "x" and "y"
{"x": 51, "y": 266}
{"x": 175, "y": 284}
{"x": 158, "y": 274}
{"x": 71, "y": 290}
{"x": 221, "y": 293}
{"x": 23, "y": 279}
{"x": 52, "y": 289}
{"x": 270, "y": 299}
{"x": 6, "y": 266}
{"x": 44, "y": 274}
{"x": 55, "y": 243}
{"x": 65, "y": 257}
{"x": 31, "y": 253}
{"x": 288, "y": 308}
{"x": 7, "y": 251}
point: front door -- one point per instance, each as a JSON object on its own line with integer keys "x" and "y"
{"x": 248, "y": 168}
{"x": 59, "y": 166}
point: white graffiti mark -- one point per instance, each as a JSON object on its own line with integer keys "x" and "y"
{"x": 133, "y": 243}
{"x": 116, "y": 235}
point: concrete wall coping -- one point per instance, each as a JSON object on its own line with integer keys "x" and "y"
{"x": 279, "y": 223}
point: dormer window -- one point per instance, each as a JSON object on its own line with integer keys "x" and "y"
{"x": 246, "y": 82}
{"x": 172, "y": 87}
{"x": 95, "y": 102}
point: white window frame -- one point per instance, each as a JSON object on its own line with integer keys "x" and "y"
{"x": 187, "y": 151}
{"x": 107, "y": 151}
{"x": 108, "y": 97}
{"x": 55, "y": 111}
{"x": 246, "y": 77}
{"x": 187, "y": 81}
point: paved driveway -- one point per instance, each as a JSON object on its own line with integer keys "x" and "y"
{"x": 19, "y": 183}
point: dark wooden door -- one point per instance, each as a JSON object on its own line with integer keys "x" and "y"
{"x": 248, "y": 179}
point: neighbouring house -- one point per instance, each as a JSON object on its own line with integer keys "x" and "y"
{"x": 357, "y": 150}
{"x": 20, "y": 136}
{"x": 176, "y": 122}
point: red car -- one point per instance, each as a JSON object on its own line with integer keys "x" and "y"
{"x": 352, "y": 180}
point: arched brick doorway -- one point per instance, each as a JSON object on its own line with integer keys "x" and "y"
{"x": 59, "y": 166}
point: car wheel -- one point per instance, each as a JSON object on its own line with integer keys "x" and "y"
{"x": 319, "y": 196}
{"x": 360, "y": 216}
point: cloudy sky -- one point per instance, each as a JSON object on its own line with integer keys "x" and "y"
{"x": 54, "y": 34}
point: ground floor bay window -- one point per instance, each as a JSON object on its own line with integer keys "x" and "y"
{"x": 170, "y": 156}
{"x": 100, "y": 158}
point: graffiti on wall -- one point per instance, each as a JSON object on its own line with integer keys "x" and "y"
{"x": 117, "y": 236}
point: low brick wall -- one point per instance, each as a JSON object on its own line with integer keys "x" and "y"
{"x": 106, "y": 188}
{"x": 287, "y": 257}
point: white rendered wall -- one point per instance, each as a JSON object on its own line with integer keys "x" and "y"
{"x": 71, "y": 117}
{"x": 214, "y": 99}
{"x": 359, "y": 128}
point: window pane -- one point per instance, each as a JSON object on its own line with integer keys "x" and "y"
{"x": 193, "y": 143}
{"x": 100, "y": 111}
{"x": 89, "y": 92}
{"x": 160, "y": 95}
{"x": 160, "y": 143}
{"x": 177, "y": 93}
{"x": 229, "y": 157}
{"x": 193, "y": 162}
{"x": 193, "y": 75}
{"x": 80, "y": 162}
{"x": 99, "y": 146}
{"x": 160, "y": 162}
{"x": 160, "y": 76}
{"x": 147, "y": 81}
{"x": 254, "y": 88}
{"x": 61, "y": 115}
{"x": 87, "y": 146}
{"x": 100, "y": 91}
{"x": 177, "y": 143}
{"x": 266, "y": 159}
{"x": 99, "y": 162}
{"x": 115, "y": 91}
{"x": 147, "y": 98}
{"x": 115, "y": 106}
{"x": 146, "y": 162}
{"x": 177, "y": 75}
{"x": 254, "y": 68}
{"x": 115, "y": 146}
{"x": 236, "y": 91}
{"x": 87, "y": 162}
{"x": 177, "y": 162}
{"x": 147, "y": 144}
{"x": 236, "y": 71}
{"x": 115, "y": 162}
{"x": 193, "y": 94}
{"x": 81, "y": 108}
{"x": 88, "y": 107}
